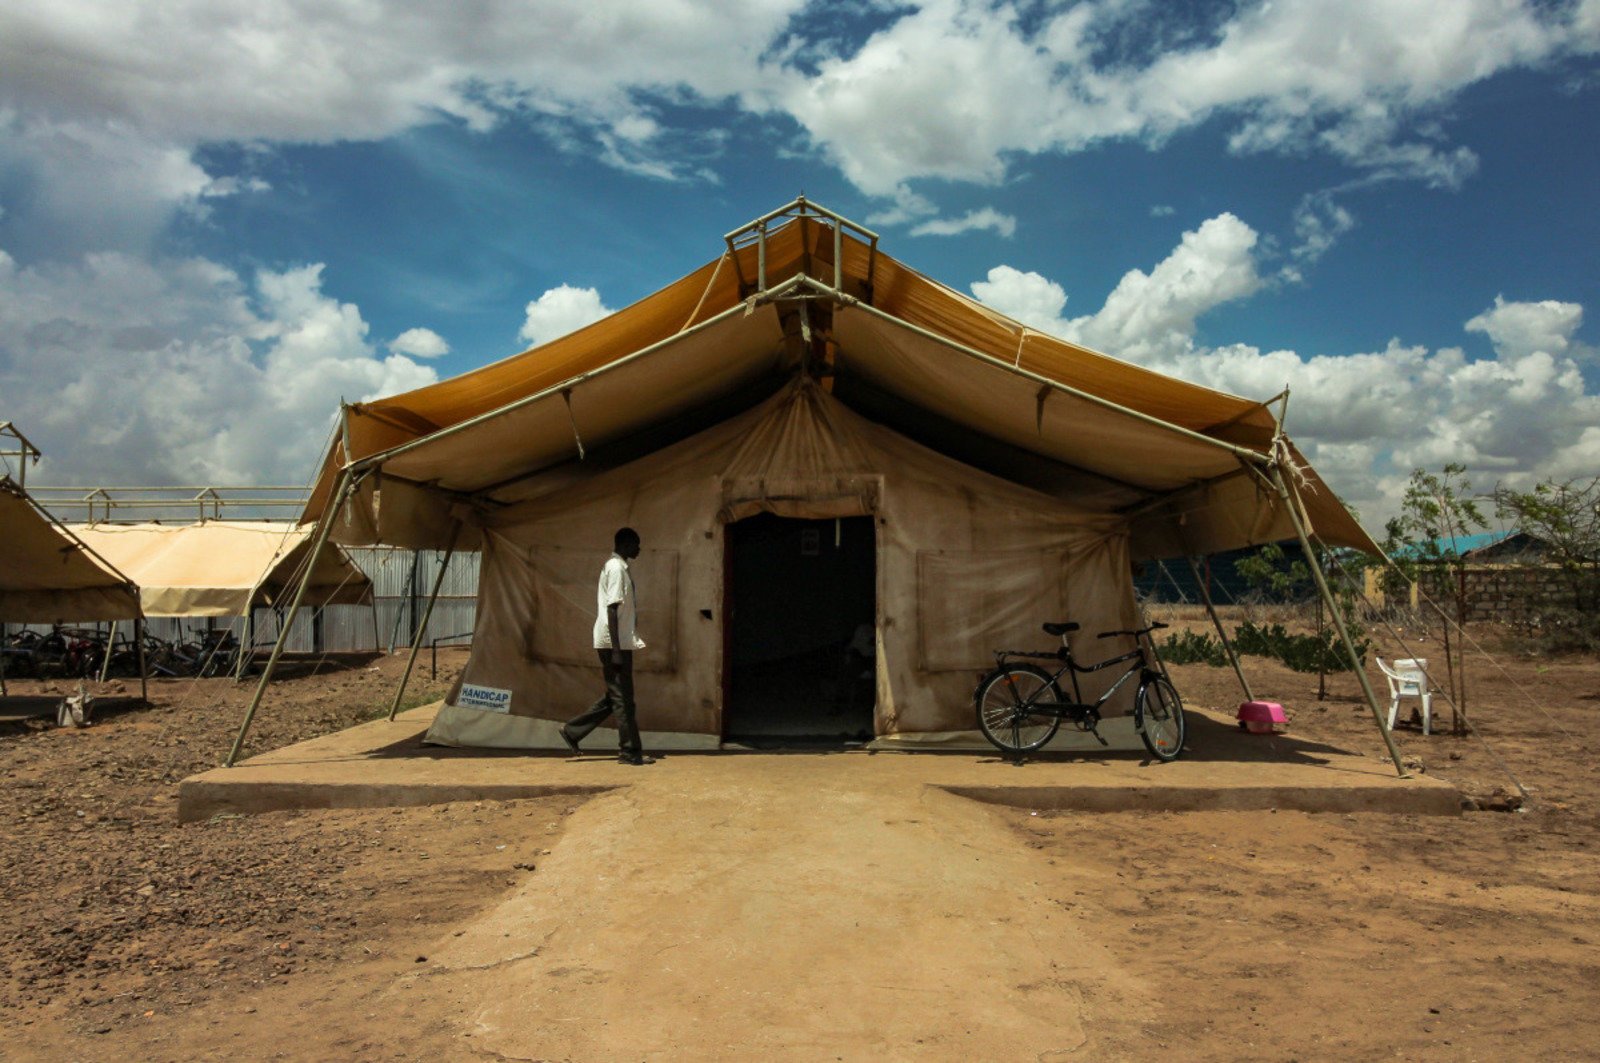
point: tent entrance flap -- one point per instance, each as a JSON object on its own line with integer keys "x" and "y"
{"x": 800, "y": 616}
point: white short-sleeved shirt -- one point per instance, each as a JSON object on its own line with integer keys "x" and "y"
{"x": 616, "y": 588}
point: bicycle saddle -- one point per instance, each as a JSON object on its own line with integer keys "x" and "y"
{"x": 1066, "y": 627}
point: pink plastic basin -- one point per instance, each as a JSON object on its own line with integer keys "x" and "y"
{"x": 1262, "y": 717}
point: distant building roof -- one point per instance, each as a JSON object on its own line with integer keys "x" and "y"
{"x": 1480, "y": 544}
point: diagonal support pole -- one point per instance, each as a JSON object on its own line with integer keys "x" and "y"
{"x": 422, "y": 628}
{"x": 1227, "y": 643}
{"x": 324, "y": 527}
{"x": 1291, "y": 506}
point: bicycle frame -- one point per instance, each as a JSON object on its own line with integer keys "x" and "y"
{"x": 1077, "y": 710}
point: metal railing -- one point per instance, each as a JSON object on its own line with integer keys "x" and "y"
{"x": 179, "y": 502}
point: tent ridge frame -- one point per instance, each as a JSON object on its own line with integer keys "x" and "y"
{"x": 846, "y": 300}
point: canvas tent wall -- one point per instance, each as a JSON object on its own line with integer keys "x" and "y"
{"x": 804, "y": 372}
{"x": 966, "y": 562}
{"x": 47, "y": 573}
{"x": 222, "y": 567}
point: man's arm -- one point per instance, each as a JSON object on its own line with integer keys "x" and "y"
{"x": 611, "y": 624}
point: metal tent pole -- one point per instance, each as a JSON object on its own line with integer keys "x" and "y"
{"x": 416, "y": 638}
{"x": 1227, "y": 643}
{"x": 105, "y": 660}
{"x": 247, "y": 644}
{"x": 144, "y": 670}
{"x": 1293, "y": 508}
{"x": 324, "y": 527}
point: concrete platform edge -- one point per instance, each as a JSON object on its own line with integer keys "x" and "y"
{"x": 1437, "y": 799}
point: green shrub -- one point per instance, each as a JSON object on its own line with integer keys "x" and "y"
{"x": 1194, "y": 647}
{"x": 1302, "y": 653}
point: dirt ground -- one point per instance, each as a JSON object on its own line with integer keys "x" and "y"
{"x": 1269, "y": 936}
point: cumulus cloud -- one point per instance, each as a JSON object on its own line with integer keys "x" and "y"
{"x": 1147, "y": 315}
{"x": 102, "y": 90}
{"x": 559, "y": 311}
{"x": 933, "y": 89}
{"x": 1356, "y": 81}
{"x": 985, "y": 218}
{"x": 420, "y": 343}
{"x": 1520, "y": 329}
{"x": 1366, "y": 419}
{"x": 181, "y": 370}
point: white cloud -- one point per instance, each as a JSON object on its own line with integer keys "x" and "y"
{"x": 1358, "y": 81}
{"x": 180, "y": 370}
{"x": 559, "y": 311}
{"x": 1162, "y": 210}
{"x": 944, "y": 89}
{"x": 1519, "y": 329}
{"x": 984, "y": 218}
{"x": 1319, "y": 223}
{"x": 1031, "y": 298}
{"x": 1365, "y": 419}
{"x": 420, "y": 343}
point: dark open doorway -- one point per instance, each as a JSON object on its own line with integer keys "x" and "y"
{"x": 801, "y": 615}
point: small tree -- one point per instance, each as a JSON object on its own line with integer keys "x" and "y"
{"x": 1438, "y": 511}
{"x": 1272, "y": 576}
{"x": 1565, "y": 517}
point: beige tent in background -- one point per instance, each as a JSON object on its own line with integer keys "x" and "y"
{"x": 49, "y": 574}
{"x": 1007, "y": 477}
{"x": 223, "y": 567}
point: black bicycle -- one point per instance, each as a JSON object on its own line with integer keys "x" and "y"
{"x": 1020, "y": 706}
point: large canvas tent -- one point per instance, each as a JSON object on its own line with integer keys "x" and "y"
{"x": 223, "y": 567}
{"x": 1008, "y": 477}
{"x": 48, "y": 573}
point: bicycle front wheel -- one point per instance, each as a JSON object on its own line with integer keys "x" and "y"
{"x": 1003, "y": 700}
{"x": 1159, "y": 719}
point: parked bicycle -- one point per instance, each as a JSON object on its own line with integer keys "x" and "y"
{"x": 1020, "y": 706}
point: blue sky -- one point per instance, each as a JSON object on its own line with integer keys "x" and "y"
{"x": 219, "y": 218}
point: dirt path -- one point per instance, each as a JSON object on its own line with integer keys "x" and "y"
{"x": 713, "y": 913}
{"x": 788, "y": 910}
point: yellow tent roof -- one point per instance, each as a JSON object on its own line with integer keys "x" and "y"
{"x": 809, "y": 291}
{"x": 222, "y": 567}
{"x": 49, "y": 574}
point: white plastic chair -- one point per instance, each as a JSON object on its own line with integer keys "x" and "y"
{"x": 1408, "y": 679}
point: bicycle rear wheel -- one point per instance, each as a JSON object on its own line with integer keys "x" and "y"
{"x": 1158, "y": 717}
{"x": 1001, "y": 700}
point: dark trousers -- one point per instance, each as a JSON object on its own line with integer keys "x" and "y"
{"x": 618, "y": 699}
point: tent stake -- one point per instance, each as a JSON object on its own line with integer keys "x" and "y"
{"x": 324, "y": 527}
{"x": 1227, "y": 643}
{"x": 416, "y": 639}
{"x": 1338, "y": 620}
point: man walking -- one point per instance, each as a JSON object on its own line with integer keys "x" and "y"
{"x": 614, "y": 641}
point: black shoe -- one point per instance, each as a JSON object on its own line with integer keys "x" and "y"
{"x": 636, "y": 761}
{"x": 572, "y": 743}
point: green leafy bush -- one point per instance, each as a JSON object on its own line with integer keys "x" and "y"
{"x": 1303, "y": 653}
{"x": 1194, "y": 647}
